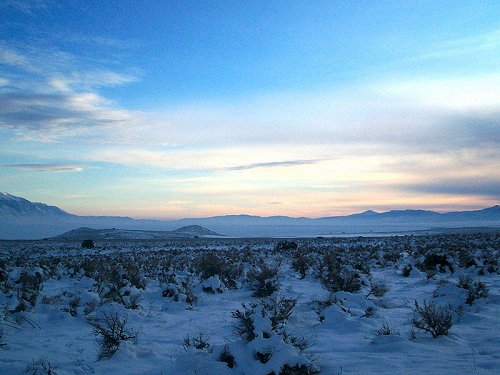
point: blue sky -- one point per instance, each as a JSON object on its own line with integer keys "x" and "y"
{"x": 173, "y": 109}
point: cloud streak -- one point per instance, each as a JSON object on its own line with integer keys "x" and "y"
{"x": 272, "y": 164}
{"x": 44, "y": 111}
{"x": 48, "y": 167}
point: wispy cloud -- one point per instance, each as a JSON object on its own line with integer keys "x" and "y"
{"x": 9, "y": 56}
{"x": 473, "y": 44}
{"x": 478, "y": 186}
{"x": 48, "y": 167}
{"x": 58, "y": 101}
{"x": 272, "y": 164}
{"x": 25, "y": 6}
{"x": 56, "y": 115}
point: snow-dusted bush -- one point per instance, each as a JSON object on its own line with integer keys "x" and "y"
{"x": 171, "y": 291}
{"x": 300, "y": 262}
{"x": 213, "y": 285}
{"x": 199, "y": 342}
{"x": 437, "y": 261}
{"x": 228, "y": 268}
{"x": 111, "y": 330}
{"x": 286, "y": 245}
{"x": 345, "y": 280}
{"x": 321, "y": 304}
{"x": 378, "y": 288}
{"x": 278, "y": 309}
{"x": 3, "y": 336}
{"x": 405, "y": 272}
{"x": 369, "y": 311}
{"x": 73, "y": 305}
{"x": 3, "y": 271}
{"x": 190, "y": 296}
{"x": 391, "y": 255}
{"x": 267, "y": 347}
{"x": 90, "y": 307}
{"x": 244, "y": 326}
{"x": 385, "y": 330}
{"x": 120, "y": 285}
{"x": 336, "y": 275}
{"x": 29, "y": 287}
{"x": 226, "y": 357}
{"x": 211, "y": 264}
{"x": 40, "y": 366}
{"x": 432, "y": 318}
{"x": 264, "y": 280}
{"x": 475, "y": 289}
{"x": 489, "y": 258}
{"x": 181, "y": 290}
{"x": 466, "y": 259}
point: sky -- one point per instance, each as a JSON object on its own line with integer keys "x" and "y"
{"x": 171, "y": 109}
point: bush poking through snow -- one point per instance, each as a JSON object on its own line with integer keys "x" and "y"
{"x": 191, "y": 297}
{"x": 432, "y": 318}
{"x": 406, "y": 270}
{"x": 385, "y": 330}
{"x": 322, "y": 304}
{"x": 3, "y": 336}
{"x": 272, "y": 347}
{"x": 264, "y": 281}
{"x": 213, "y": 285}
{"x": 298, "y": 370}
{"x": 111, "y": 331}
{"x": 244, "y": 326}
{"x": 73, "y": 305}
{"x": 378, "y": 289}
{"x": 279, "y": 310}
{"x": 121, "y": 285}
{"x": 210, "y": 264}
{"x": 90, "y": 307}
{"x": 226, "y": 357}
{"x": 298, "y": 342}
{"x": 286, "y": 245}
{"x": 300, "y": 262}
{"x": 369, "y": 311}
{"x": 40, "y": 366}
{"x": 411, "y": 334}
{"x": 475, "y": 289}
{"x": 199, "y": 342}
{"x": 30, "y": 285}
{"x": 345, "y": 280}
{"x": 436, "y": 262}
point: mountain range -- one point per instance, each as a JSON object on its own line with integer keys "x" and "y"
{"x": 22, "y": 219}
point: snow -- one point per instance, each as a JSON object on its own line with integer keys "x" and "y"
{"x": 213, "y": 284}
{"x": 342, "y": 336}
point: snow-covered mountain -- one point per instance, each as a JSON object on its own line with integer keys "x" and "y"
{"x": 11, "y": 205}
{"x": 22, "y": 219}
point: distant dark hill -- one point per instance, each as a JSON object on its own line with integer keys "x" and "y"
{"x": 22, "y": 219}
{"x": 83, "y": 233}
{"x": 194, "y": 230}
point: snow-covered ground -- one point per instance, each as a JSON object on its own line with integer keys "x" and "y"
{"x": 319, "y": 306}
